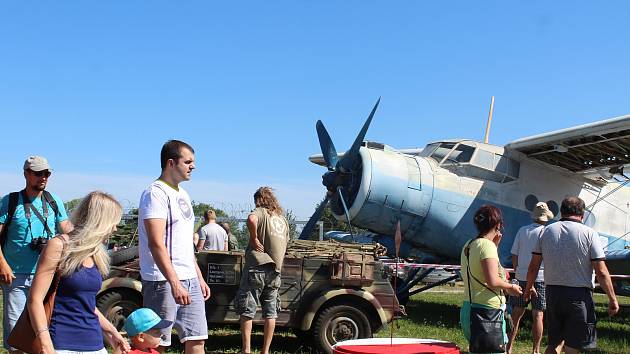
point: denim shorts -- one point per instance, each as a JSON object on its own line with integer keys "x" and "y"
{"x": 13, "y": 303}
{"x": 259, "y": 287}
{"x": 188, "y": 320}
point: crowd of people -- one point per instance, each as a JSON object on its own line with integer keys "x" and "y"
{"x": 39, "y": 242}
{"x": 561, "y": 291}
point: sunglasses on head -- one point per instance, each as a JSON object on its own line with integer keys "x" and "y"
{"x": 43, "y": 173}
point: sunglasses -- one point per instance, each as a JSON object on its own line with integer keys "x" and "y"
{"x": 43, "y": 173}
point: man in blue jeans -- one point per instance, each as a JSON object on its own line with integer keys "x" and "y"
{"x": 35, "y": 216}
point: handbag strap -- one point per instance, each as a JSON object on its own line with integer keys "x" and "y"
{"x": 466, "y": 253}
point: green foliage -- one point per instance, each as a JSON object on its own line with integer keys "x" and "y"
{"x": 200, "y": 208}
{"x": 331, "y": 223}
{"x": 288, "y": 214}
{"x": 71, "y": 204}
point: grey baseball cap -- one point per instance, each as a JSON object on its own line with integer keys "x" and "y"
{"x": 36, "y": 163}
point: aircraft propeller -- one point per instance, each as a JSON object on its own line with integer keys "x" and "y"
{"x": 341, "y": 171}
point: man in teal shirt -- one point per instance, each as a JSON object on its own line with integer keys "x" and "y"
{"x": 37, "y": 217}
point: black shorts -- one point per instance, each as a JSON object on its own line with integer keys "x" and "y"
{"x": 571, "y": 317}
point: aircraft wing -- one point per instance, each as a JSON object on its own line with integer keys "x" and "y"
{"x": 584, "y": 149}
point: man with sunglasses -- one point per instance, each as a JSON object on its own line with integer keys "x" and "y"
{"x": 27, "y": 220}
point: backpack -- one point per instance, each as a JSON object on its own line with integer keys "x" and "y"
{"x": 13, "y": 202}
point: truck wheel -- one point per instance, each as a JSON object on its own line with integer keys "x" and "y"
{"x": 116, "y": 305}
{"x": 124, "y": 255}
{"x": 338, "y": 323}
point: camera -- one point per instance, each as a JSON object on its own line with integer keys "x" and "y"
{"x": 38, "y": 243}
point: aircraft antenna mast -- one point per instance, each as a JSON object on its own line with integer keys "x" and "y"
{"x": 485, "y": 139}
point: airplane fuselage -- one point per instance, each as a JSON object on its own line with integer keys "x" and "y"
{"x": 435, "y": 194}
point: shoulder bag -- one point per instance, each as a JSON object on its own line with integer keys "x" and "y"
{"x": 23, "y": 336}
{"x": 486, "y": 324}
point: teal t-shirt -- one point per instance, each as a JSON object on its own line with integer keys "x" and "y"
{"x": 17, "y": 250}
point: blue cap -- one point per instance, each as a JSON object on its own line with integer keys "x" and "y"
{"x": 142, "y": 320}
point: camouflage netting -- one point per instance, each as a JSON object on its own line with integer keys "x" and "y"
{"x": 305, "y": 248}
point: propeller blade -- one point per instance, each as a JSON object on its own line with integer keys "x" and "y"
{"x": 397, "y": 239}
{"x": 345, "y": 211}
{"x": 350, "y": 156}
{"x": 310, "y": 225}
{"x": 328, "y": 148}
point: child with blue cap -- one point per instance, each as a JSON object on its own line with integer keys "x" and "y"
{"x": 143, "y": 328}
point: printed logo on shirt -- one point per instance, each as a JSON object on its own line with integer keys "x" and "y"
{"x": 185, "y": 208}
{"x": 278, "y": 225}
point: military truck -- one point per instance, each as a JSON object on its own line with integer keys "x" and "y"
{"x": 330, "y": 291}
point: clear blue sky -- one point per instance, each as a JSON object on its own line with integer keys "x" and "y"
{"x": 98, "y": 86}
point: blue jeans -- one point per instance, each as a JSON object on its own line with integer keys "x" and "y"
{"x": 13, "y": 303}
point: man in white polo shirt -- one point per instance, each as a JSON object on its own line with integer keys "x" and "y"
{"x": 172, "y": 284}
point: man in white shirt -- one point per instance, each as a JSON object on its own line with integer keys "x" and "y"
{"x": 524, "y": 242}
{"x": 172, "y": 283}
{"x": 212, "y": 237}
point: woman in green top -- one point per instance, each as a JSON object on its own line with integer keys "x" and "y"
{"x": 480, "y": 257}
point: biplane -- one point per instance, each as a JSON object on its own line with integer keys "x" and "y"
{"x": 433, "y": 192}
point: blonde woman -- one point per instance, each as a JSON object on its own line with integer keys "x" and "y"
{"x": 77, "y": 326}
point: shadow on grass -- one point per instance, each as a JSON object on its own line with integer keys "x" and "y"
{"x": 228, "y": 340}
{"x": 421, "y": 311}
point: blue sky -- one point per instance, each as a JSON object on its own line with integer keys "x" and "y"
{"x": 97, "y": 87}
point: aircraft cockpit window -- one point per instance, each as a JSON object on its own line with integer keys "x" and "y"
{"x": 460, "y": 154}
{"x": 429, "y": 149}
{"x": 488, "y": 165}
{"x": 440, "y": 150}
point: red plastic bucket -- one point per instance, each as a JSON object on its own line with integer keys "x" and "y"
{"x": 395, "y": 346}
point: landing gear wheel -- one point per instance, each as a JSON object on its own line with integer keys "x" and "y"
{"x": 338, "y": 323}
{"x": 116, "y": 305}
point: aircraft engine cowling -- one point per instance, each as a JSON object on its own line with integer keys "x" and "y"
{"x": 387, "y": 186}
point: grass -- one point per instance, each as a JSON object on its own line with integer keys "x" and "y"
{"x": 435, "y": 314}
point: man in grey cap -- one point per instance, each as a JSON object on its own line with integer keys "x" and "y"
{"x": 524, "y": 242}
{"x": 571, "y": 251}
{"x": 28, "y": 218}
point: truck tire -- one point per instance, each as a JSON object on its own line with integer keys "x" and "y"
{"x": 338, "y": 323}
{"x": 124, "y": 255}
{"x": 117, "y": 304}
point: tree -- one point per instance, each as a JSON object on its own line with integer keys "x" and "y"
{"x": 288, "y": 214}
{"x": 330, "y": 223}
{"x": 71, "y": 204}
